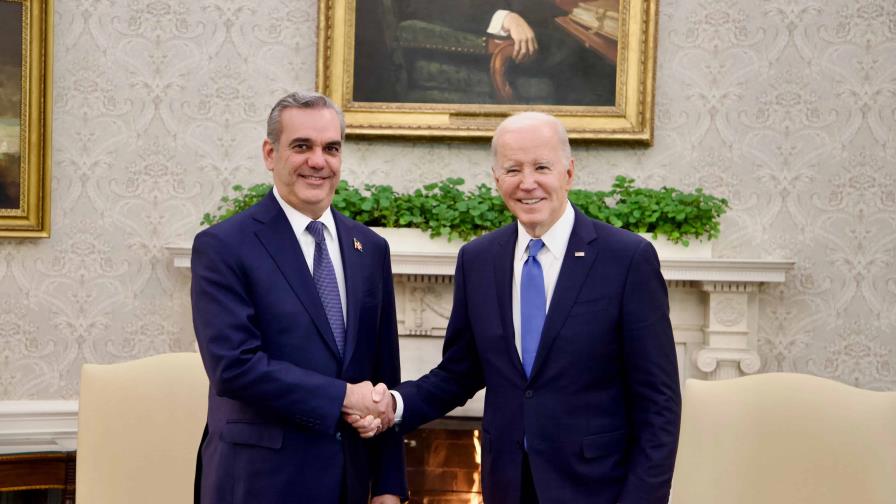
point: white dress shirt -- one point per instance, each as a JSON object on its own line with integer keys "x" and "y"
{"x": 299, "y": 222}
{"x": 550, "y": 256}
{"x": 496, "y": 24}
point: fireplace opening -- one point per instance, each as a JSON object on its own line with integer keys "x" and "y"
{"x": 443, "y": 461}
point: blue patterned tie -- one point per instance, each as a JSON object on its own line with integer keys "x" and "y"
{"x": 532, "y": 305}
{"x": 325, "y": 281}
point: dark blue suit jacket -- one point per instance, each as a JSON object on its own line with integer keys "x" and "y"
{"x": 277, "y": 381}
{"x": 601, "y": 410}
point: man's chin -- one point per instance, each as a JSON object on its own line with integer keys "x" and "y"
{"x": 530, "y": 213}
{"x": 530, "y": 222}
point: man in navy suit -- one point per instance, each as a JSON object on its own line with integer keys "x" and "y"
{"x": 294, "y": 312}
{"x": 565, "y": 321}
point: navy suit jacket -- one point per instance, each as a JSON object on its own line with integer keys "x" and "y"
{"x": 601, "y": 410}
{"x": 277, "y": 381}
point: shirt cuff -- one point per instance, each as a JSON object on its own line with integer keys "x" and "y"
{"x": 496, "y": 27}
{"x": 399, "y": 405}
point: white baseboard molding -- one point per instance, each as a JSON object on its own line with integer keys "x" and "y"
{"x": 38, "y": 426}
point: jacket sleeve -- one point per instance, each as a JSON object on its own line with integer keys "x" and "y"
{"x": 388, "y": 448}
{"x": 457, "y": 377}
{"x": 652, "y": 387}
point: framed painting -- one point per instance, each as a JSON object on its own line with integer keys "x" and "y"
{"x": 455, "y": 68}
{"x": 26, "y": 47}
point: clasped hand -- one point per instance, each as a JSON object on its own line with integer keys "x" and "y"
{"x": 369, "y": 409}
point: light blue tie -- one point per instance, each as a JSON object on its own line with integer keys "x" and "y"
{"x": 532, "y": 305}
{"x": 325, "y": 281}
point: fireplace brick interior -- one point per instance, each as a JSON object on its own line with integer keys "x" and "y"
{"x": 442, "y": 463}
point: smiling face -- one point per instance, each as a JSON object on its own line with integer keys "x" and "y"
{"x": 533, "y": 172}
{"x": 306, "y": 161}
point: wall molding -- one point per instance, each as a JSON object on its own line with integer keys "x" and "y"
{"x": 38, "y": 426}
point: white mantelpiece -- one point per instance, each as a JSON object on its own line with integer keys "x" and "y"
{"x": 415, "y": 254}
{"x": 714, "y": 305}
{"x": 38, "y": 426}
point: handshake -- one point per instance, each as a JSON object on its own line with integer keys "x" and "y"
{"x": 369, "y": 409}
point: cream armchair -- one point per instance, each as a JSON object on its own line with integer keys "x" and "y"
{"x": 139, "y": 427}
{"x": 785, "y": 438}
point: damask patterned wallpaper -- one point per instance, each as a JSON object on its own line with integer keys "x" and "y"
{"x": 786, "y": 107}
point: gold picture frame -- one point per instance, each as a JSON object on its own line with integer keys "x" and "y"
{"x": 341, "y": 72}
{"x": 25, "y": 144}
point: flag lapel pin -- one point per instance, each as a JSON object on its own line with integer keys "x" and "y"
{"x": 358, "y": 246}
{"x": 580, "y": 254}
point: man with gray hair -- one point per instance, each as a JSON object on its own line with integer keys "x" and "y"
{"x": 294, "y": 313}
{"x": 565, "y": 321}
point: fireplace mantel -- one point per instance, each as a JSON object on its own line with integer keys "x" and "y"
{"x": 440, "y": 261}
{"x": 714, "y": 305}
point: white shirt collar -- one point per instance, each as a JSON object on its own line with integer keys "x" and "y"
{"x": 555, "y": 239}
{"x": 299, "y": 221}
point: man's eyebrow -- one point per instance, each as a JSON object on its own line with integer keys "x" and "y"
{"x": 299, "y": 140}
{"x": 517, "y": 164}
{"x": 304, "y": 140}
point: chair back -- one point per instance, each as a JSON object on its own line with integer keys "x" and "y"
{"x": 785, "y": 438}
{"x": 139, "y": 427}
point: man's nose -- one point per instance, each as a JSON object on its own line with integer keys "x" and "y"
{"x": 527, "y": 180}
{"x": 316, "y": 159}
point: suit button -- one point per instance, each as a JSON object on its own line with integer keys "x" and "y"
{"x": 338, "y": 436}
{"x": 528, "y": 394}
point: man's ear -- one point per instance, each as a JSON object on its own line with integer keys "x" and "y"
{"x": 570, "y": 172}
{"x": 267, "y": 153}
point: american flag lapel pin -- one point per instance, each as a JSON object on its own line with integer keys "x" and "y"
{"x": 358, "y": 246}
{"x": 580, "y": 254}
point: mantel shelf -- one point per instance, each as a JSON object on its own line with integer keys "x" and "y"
{"x": 691, "y": 269}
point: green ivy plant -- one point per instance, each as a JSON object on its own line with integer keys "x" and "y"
{"x": 444, "y": 209}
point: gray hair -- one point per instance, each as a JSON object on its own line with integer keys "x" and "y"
{"x": 526, "y": 118}
{"x": 302, "y": 100}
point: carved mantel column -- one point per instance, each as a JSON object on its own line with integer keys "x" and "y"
{"x": 729, "y": 294}
{"x": 730, "y": 330}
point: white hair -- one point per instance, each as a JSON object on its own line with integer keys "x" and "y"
{"x": 529, "y": 118}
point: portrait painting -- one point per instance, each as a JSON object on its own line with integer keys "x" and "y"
{"x": 456, "y": 68}
{"x": 25, "y": 43}
{"x": 10, "y": 105}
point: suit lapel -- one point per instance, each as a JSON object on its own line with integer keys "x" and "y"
{"x": 353, "y": 271}
{"x": 573, "y": 272}
{"x": 280, "y": 241}
{"x": 504, "y": 286}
